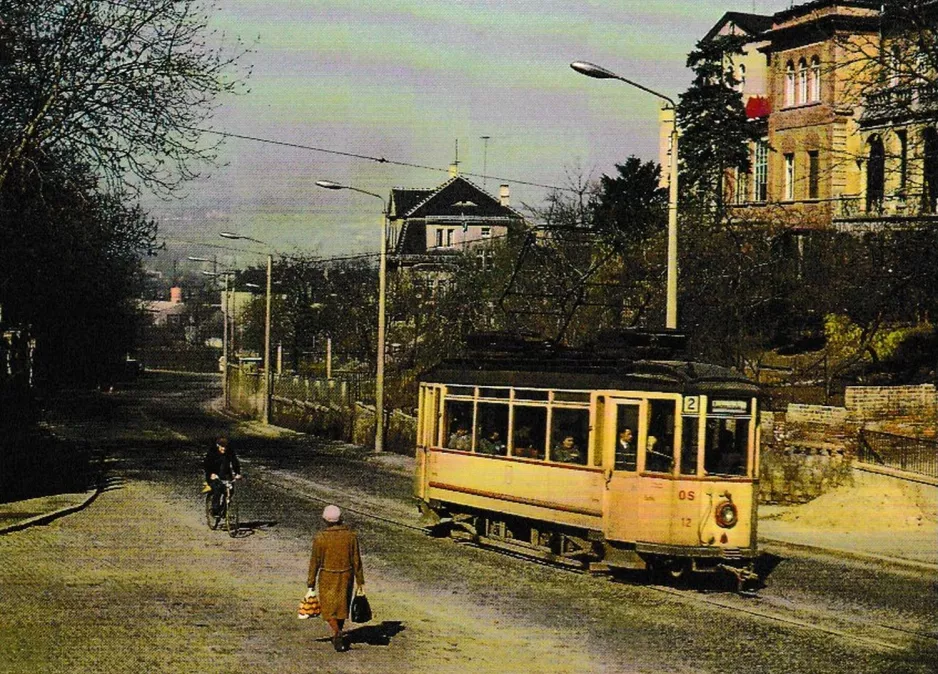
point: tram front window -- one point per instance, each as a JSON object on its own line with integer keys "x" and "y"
{"x": 529, "y": 430}
{"x": 726, "y": 451}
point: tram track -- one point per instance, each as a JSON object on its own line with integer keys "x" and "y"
{"x": 878, "y": 636}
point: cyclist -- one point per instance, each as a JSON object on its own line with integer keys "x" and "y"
{"x": 221, "y": 463}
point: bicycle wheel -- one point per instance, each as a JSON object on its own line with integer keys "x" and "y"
{"x": 209, "y": 517}
{"x": 231, "y": 517}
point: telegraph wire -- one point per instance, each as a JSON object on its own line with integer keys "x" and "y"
{"x": 379, "y": 160}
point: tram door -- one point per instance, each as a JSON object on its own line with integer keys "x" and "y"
{"x": 622, "y": 418}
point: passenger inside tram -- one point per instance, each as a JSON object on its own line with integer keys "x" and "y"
{"x": 461, "y": 439}
{"x": 657, "y": 458}
{"x": 626, "y": 451}
{"x": 568, "y": 451}
{"x": 492, "y": 444}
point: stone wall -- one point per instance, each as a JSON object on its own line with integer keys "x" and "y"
{"x": 905, "y": 410}
{"x": 810, "y": 449}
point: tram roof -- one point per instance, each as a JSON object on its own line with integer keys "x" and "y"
{"x": 590, "y": 373}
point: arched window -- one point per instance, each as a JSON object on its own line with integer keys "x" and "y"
{"x": 789, "y": 84}
{"x": 742, "y": 76}
{"x": 930, "y": 171}
{"x": 875, "y": 174}
{"x": 815, "y": 79}
{"x": 802, "y": 81}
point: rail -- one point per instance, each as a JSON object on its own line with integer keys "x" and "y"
{"x": 913, "y": 455}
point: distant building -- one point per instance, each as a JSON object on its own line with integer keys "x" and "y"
{"x": 428, "y": 227}
{"x": 846, "y": 141}
{"x": 169, "y": 313}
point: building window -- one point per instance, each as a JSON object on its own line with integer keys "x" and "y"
{"x": 814, "y": 171}
{"x": 875, "y": 174}
{"x": 760, "y": 170}
{"x": 815, "y": 79}
{"x": 741, "y": 186}
{"x": 930, "y": 171}
{"x": 802, "y": 81}
{"x": 895, "y": 66}
{"x": 439, "y": 238}
{"x": 903, "y": 160}
{"x": 449, "y": 237}
{"x": 789, "y": 84}
{"x": 789, "y": 176}
{"x": 742, "y": 76}
{"x": 486, "y": 232}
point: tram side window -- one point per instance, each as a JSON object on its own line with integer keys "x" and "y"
{"x": 492, "y": 429}
{"x": 689, "y": 445}
{"x": 659, "y": 444}
{"x": 627, "y": 437}
{"x": 529, "y": 431}
{"x": 459, "y": 424}
{"x": 726, "y": 452}
{"x": 569, "y": 435}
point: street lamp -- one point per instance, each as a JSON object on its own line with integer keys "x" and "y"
{"x": 225, "y": 318}
{"x": 382, "y": 291}
{"x": 598, "y": 72}
{"x": 267, "y": 374}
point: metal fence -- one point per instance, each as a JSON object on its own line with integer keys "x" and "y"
{"x": 345, "y": 388}
{"x": 914, "y": 455}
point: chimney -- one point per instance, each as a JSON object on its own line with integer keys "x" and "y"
{"x": 504, "y": 195}
{"x": 175, "y": 295}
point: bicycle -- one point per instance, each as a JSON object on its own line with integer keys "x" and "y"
{"x": 228, "y": 510}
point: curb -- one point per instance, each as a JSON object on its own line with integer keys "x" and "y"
{"x": 864, "y": 556}
{"x": 46, "y": 518}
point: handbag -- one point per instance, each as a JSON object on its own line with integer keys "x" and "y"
{"x": 361, "y": 609}
{"x": 309, "y": 608}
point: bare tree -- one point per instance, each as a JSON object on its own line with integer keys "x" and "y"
{"x": 123, "y": 85}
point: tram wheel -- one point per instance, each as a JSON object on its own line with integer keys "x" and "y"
{"x": 668, "y": 570}
{"x": 679, "y": 571}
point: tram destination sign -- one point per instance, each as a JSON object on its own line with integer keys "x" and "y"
{"x": 729, "y": 407}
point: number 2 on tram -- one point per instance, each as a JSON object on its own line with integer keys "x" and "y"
{"x": 603, "y": 461}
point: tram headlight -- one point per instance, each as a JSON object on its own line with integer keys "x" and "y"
{"x": 727, "y": 515}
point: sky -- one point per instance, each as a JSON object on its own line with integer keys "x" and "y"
{"x": 409, "y": 80}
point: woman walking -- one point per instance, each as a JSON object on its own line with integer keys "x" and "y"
{"x": 335, "y": 566}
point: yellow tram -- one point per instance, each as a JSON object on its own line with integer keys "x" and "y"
{"x": 618, "y": 456}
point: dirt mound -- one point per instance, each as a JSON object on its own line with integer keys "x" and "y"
{"x": 874, "y": 503}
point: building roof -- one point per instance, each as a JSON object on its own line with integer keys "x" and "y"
{"x": 814, "y": 5}
{"x": 403, "y": 200}
{"x": 752, "y": 24}
{"x": 454, "y": 198}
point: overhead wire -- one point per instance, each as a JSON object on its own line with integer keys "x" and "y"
{"x": 379, "y": 160}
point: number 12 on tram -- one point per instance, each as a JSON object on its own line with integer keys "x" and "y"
{"x": 608, "y": 463}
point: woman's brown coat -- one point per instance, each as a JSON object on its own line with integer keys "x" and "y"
{"x": 333, "y": 566}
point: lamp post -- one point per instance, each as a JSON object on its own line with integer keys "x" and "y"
{"x": 224, "y": 332}
{"x": 382, "y": 292}
{"x": 268, "y": 393}
{"x": 593, "y": 70}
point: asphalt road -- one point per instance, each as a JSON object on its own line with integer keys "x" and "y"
{"x": 136, "y": 582}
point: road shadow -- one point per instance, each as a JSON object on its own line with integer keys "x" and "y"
{"x": 706, "y": 582}
{"x": 37, "y": 463}
{"x": 375, "y": 635}
{"x": 259, "y": 525}
{"x": 246, "y": 529}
